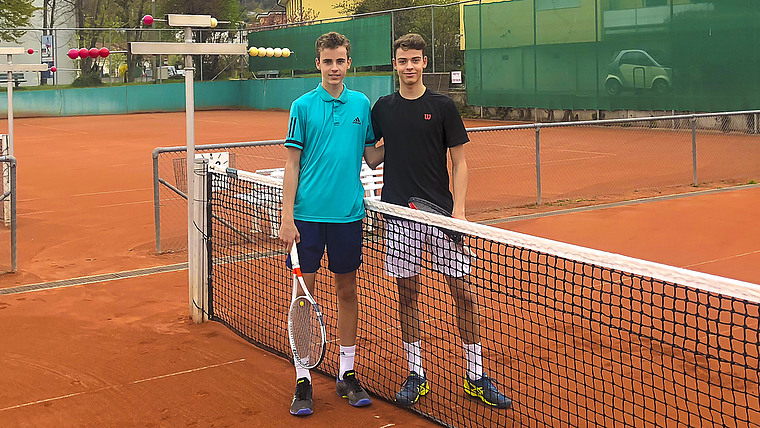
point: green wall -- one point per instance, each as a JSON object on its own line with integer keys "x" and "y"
{"x": 256, "y": 94}
{"x": 703, "y": 53}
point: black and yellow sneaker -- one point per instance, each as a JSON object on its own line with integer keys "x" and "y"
{"x": 413, "y": 388}
{"x": 350, "y": 388}
{"x": 485, "y": 389}
{"x": 302, "y": 399}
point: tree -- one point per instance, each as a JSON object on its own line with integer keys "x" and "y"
{"x": 14, "y": 14}
{"x": 222, "y": 10}
{"x": 444, "y": 41}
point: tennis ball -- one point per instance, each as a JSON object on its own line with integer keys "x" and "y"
{"x": 277, "y": 52}
{"x": 285, "y": 52}
{"x": 270, "y": 52}
{"x": 253, "y": 51}
{"x": 262, "y": 51}
{"x": 214, "y": 22}
{"x": 301, "y": 303}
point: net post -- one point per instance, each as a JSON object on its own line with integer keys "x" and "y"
{"x": 197, "y": 257}
{"x": 694, "y": 147}
{"x": 538, "y": 165}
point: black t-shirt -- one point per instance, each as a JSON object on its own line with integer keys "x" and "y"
{"x": 417, "y": 133}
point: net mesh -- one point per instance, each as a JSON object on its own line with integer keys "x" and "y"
{"x": 575, "y": 337}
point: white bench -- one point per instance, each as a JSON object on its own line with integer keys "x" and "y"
{"x": 270, "y": 203}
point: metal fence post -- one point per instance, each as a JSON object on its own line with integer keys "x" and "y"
{"x": 156, "y": 202}
{"x": 694, "y": 147}
{"x": 432, "y": 32}
{"x": 538, "y": 165}
{"x": 14, "y": 237}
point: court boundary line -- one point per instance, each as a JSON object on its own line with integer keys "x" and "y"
{"x": 83, "y": 280}
{"x": 134, "y": 382}
{"x": 491, "y": 222}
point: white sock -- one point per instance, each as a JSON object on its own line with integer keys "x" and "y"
{"x": 302, "y": 372}
{"x": 347, "y": 354}
{"x": 414, "y": 357}
{"x": 474, "y": 354}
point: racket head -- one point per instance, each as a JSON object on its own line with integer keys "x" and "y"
{"x": 306, "y": 331}
{"x": 424, "y": 205}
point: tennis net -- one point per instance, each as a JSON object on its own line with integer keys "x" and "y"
{"x": 575, "y": 337}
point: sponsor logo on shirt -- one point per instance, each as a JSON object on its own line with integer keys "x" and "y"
{"x": 428, "y": 116}
{"x": 357, "y": 121}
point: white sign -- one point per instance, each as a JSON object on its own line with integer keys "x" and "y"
{"x": 47, "y": 47}
{"x": 221, "y": 159}
{"x": 456, "y": 77}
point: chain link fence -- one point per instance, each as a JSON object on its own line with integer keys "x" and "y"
{"x": 533, "y": 165}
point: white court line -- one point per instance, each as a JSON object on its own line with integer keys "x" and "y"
{"x": 532, "y": 164}
{"x": 722, "y": 258}
{"x": 55, "y": 129}
{"x": 47, "y": 400}
{"x": 107, "y": 192}
{"x": 99, "y": 206}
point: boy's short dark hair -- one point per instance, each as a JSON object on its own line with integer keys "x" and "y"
{"x": 332, "y": 40}
{"x": 409, "y": 41}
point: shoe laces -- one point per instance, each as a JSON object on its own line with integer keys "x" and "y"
{"x": 413, "y": 380}
{"x": 352, "y": 382}
{"x": 302, "y": 390}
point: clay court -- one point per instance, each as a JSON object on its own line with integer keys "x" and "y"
{"x": 124, "y": 352}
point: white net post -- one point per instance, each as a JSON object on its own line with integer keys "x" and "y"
{"x": 197, "y": 254}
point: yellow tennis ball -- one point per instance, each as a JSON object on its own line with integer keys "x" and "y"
{"x": 301, "y": 303}
{"x": 277, "y": 52}
{"x": 253, "y": 51}
{"x": 270, "y": 52}
{"x": 285, "y": 52}
{"x": 214, "y": 22}
{"x": 262, "y": 51}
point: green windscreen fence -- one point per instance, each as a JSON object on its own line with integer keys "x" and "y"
{"x": 614, "y": 54}
{"x": 370, "y": 43}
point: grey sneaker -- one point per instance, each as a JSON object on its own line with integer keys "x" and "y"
{"x": 413, "y": 388}
{"x": 350, "y": 388}
{"x": 302, "y": 399}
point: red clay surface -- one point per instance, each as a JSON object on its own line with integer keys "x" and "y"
{"x": 123, "y": 353}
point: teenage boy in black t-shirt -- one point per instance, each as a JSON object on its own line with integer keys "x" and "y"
{"x": 419, "y": 127}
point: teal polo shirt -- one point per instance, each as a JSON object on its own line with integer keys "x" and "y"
{"x": 331, "y": 134}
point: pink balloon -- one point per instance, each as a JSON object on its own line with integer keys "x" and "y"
{"x": 53, "y": 69}
{"x": 104, "y": 52}
{"x": 94, "y": 53}
{"x": 147, "y": 20}
{"x": 30, "y": 50}
{"x": 84, "y": 53}
{"x": 73, "y": 53}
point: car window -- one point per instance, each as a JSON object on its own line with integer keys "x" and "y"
{"x": 627, "y": 58}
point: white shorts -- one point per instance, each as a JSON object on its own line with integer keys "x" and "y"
{"x": 404, "y": 241}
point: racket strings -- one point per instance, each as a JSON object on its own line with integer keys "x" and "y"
{"x": 306, "y": 331}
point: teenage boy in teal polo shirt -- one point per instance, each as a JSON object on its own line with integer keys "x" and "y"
{"x": 323, "y": 200}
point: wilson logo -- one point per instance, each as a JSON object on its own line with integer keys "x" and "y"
{"x": 428, "y": 116}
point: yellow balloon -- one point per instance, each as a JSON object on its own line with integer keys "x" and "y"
{"x": 285, "y": 52}
{"x": 262, "y": 51}
{"x": 277, "y": 52}
{"x": 253, "y": 51}
{"x": 214, "y": 22}
{"x": 270, "y": 52}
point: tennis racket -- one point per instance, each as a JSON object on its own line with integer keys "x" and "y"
{"x": 306, "y": 328}
{"x": 416, "y": 203}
